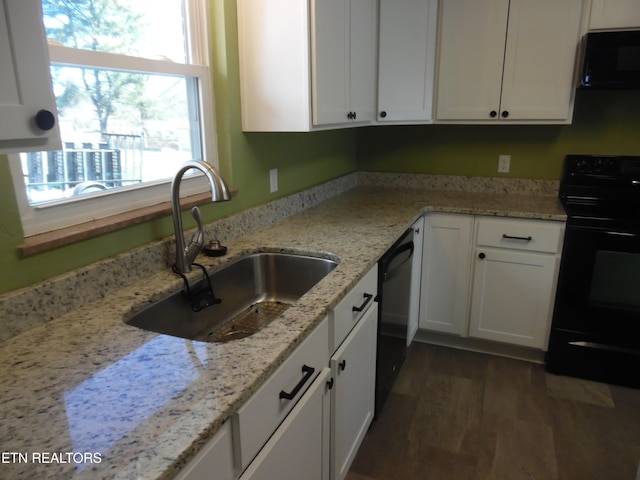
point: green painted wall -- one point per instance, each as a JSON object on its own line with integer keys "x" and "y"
{"x": 302, "y": 160}
{"x": 604, "y": 122}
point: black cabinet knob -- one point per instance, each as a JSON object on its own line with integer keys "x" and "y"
{"x": 45, "y": 120}
{"x": 383, "y": 114}
{"x": 493, "y": 114}
{"x": 342, "y": 365}
{"x": 504, "y": 114}
{"x": 481, "y": 256}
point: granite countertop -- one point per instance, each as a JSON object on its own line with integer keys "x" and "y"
{"x": 139, "y": 405}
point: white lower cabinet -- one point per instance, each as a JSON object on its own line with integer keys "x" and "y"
{"x": 309, "y": 418}
{"x": 506, "y": 294}
{"x": 416, "y": 274}
{"x": 214, "y": 461}
{"x": 445, "y": 272}
{"x": 516, "y": 263}
{"x": 512, "y": 296}
{"x": 299, "y": 448}
{"x": 353, "y": 393}
{"x": 259, "y": 417}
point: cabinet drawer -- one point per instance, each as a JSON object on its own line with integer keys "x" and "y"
{"x": 299, "y": 448}
{"x": 257, "y": 419}
{"x": 350, "y": 309}
{"x": 531, "y": 235}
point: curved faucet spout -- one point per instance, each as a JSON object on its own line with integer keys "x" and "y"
{"x": 185, "y": 255}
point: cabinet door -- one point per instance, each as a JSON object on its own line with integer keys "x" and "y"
{"x": 214, "y": 461}
{"x": 274, "y": 59}
{"x": 343, "y": 59}
{"x": 407, "y": 39}
{"x": 540, "y": 57}
{"x": 416, "y": 274}
{"x": 362, "y": 59}
{"x": 330, "y": 61}
{"x": 299, "y": 448}
{"x": 25, "y": 80}
{"x": 353, "y": 369}
{"x": 512, "y": 296}
{"x": 472, "y": 40}
{"x": 445, "y": 273}
{"x": 607, "y": 14}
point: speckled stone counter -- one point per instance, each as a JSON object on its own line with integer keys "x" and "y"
{"x": 142, "y": 404}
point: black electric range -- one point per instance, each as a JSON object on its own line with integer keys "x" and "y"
{"x": 595, "y": 332}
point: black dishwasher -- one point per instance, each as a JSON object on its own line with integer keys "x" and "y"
{"x": 394, "y": 290}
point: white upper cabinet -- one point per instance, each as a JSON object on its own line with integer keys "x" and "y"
{"x": 611, "y": 14}
{"x": 330, "y": 56}
{"x": 343, "y": 45}
{"x": 406, "y": 56}
{"x": 508, "y": 60}
{"x": 275, "y": 74}
{"x": 28, "y": 114}
{"x": 471, "y": 57}
{"x": 306, "y": 65}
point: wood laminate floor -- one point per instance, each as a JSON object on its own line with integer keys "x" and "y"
{"x": 462, "y": 415}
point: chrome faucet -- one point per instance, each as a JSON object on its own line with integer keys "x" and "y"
{"x": 185, "y": 255}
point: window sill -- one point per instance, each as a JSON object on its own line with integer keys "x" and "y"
{"x": 44, "y": 242}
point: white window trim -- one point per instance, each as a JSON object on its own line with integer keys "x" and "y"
{"x": 43, "y": 218}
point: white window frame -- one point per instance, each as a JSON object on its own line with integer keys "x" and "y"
{"x": 46, "y": 217}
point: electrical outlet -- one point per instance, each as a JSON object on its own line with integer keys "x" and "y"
{"x": 273, "y": 180}
{"x": 504, "y": 163}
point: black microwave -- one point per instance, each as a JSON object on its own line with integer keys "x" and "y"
{"x": 611, "y": 60}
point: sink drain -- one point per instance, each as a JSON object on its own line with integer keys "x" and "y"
{"x": 249, "y": 321}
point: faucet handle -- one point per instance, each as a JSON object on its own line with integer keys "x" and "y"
{"x": 192, "y": 250}
{"x": 198, "y": 237}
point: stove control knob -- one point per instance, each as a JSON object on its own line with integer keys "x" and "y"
{"x": 598, "y": 164}
{"x": 581, "y": 165}
{"x": 603, "y": 165}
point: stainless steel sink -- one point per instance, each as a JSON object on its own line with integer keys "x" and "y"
{"x": 253, "y": 291}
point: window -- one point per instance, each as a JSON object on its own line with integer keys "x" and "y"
{"x": 132, "y": 88}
